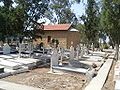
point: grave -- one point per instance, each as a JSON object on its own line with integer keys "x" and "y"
{"x": 72, "y": 52}
{"x": 70, "y": 69}
{"x": 77, "y": 52}
{"x": 10, "y": 65}
{"x": 54, "y": 58}
{"x": 77, "y": 64}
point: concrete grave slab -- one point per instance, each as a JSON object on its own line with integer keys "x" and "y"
{"x": 70, "y": 69}
{"x": 10, "y": 65}
{"x": 78, "y": 64}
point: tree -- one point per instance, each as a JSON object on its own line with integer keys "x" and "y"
{"x": 21, "y": 20}
{"x": 91, "y": 22}
{"x": 60, "y": 12}
{"x": 110, "y": 21}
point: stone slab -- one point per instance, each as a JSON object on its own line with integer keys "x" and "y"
{"x": 13, "y": 72}
{"x": 91, "y": 63}
{"x": 97, "y": 82}
{"x": 10, "y": 65}
{"x": 5, "y": 74}
{"x": 72, "y": 69}
{"x": 98, "y": 53}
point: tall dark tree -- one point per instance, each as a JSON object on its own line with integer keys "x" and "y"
{"x": 22, "y": 18}
{"x": 110, "y": 21}
{"x": 60, "y": 12}
{"x": 91, "y": 21}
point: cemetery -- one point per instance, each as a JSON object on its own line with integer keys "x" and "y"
{"x": 85, "y": 65}
{"x": 59, "y": 45}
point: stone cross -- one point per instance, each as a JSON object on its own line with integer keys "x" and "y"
{"x": 82, "y": 51}
{"x": 30, "y": 48}
{"x": 72, "y": 52}
{"x": 61, "y": 56}
{"x": 20, "y": 50}
{"x": 77, "y": 52}
{"x": 54, "y": 59}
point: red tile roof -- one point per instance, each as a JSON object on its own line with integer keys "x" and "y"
{"x": 57, "y": 27}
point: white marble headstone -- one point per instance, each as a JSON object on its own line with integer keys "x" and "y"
{"x": 6, "y": 49}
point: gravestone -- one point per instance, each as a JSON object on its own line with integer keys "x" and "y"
{"x": 72, "y": 52}
{"x": 77, "y": 52}
{"x": 6, "y": 49}
{"x": 54, "y": 59}
{"x": 82, "y": 51}
{"x": 30, "y": 49}
{"x": 61, "y": 56}
{"x": 20, "y": 46}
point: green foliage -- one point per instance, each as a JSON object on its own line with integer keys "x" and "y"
{"x": 61, "y": 9}
{"x": 81, "y": 28}
{"x": 16, "y": 21}
{"x": 110, "y": 19}
{"x": 91, "y": 21}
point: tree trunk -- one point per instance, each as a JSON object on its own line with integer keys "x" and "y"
{"x": 117, "y": 51}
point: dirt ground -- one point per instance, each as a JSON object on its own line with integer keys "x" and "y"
{"x": 40, "y": 78}
{"x": 109, "y": 85}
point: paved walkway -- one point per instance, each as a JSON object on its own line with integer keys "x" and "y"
{"x": 12, "y": 86}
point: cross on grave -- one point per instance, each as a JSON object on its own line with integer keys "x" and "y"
{"x": 77, "y": 52}
{"x": 61, "y": 56}
{"x": 54, "y": 59}
{"x": 82, "y": 51}
{"x": 20, "y": 46}
{"x": 72, "y": 52}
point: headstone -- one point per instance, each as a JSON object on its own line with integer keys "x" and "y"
{"x": 82, "y": 51}
{"x": 54, "y": 59}
{"x": 61, "y": 56}
{"x": 6, "y": 49}
{"x": 20, "y": 50}
{"x": 30, "y": 48}
{"x": 77, "y": 52}
{"x": 72, "y": 52}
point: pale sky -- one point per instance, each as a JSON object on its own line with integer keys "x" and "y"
{"x": 79, "y": 9}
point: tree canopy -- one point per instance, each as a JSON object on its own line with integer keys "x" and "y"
{"x": 60, "y": 12}
{"x": 16, "y": 20}
{"x": 91, "y": 21}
